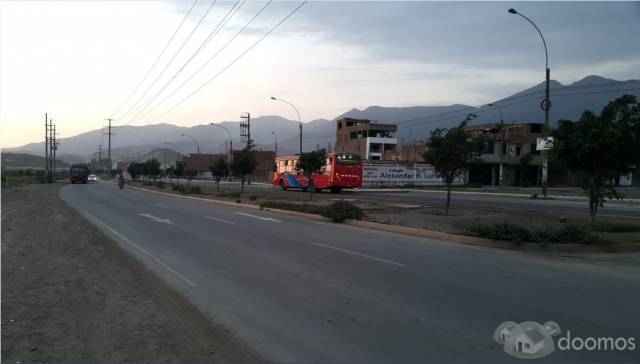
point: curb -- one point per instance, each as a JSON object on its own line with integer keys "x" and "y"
{"x": 430, "y": 234}
{"x": 629, "y": 201}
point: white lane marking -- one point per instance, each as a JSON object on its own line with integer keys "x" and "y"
{"x": 359, "y": 254}
{"x": 258, "y": 217}
{"x": 157, "y": 219}
{"x": 142, "y": 250}
{"x": 163, "y": 206}
{"x": 219, "y": 220}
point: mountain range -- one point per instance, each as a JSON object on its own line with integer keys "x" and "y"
{"x": 414, "y": 123}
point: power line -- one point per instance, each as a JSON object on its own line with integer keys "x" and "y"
{"x": 171, "y": 60}
{"x": 234, "y": 61}
{"x": 232, "y": 11}
{"x": 210, "y": 59}
{"x": 156, "y": 61}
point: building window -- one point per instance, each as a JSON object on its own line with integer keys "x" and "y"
{"x": 517, "y": 150}
{"x": 286, "y": 163}
{"x": 339, "y": 124}
{"x": 353, "y": 135}
{"x": 533, "y": 150}
{"x": 536, "y": 128}
{"x": 490, "y": 148}
{"x": 504, "y": 148}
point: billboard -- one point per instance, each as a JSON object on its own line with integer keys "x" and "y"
{"x": 423, "y": 175}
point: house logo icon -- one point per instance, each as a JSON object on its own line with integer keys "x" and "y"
{"x": 528, "y": 339}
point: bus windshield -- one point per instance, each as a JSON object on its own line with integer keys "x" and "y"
{"x": 348, "y": 158}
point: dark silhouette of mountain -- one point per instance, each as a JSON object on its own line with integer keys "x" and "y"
{"x": 414, "y": 123}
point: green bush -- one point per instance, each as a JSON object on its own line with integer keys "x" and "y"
{"x": 235, "y": 195}
{"x": 344, "y": 210}
{"x": 615, "y": 228}
{"x": 566, "y": 234}
{"x": 175, "y": 187}
{"x": 253, "y": 197}
{"x": 161, "y": 184}
{"x": 147, "y": 183}
{"x": 196, "y": 190}
{"x": 338, "y": 211}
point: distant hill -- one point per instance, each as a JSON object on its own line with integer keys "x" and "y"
{"x": 414, "y": 123}
{"x": 24, "y": 160}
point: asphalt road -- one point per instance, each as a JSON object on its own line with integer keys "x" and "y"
{"x": 303, "y": 291}
{"x": 434, "y": 197}
{"x": 610, "y": 209}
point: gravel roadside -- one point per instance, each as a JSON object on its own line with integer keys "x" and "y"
{"x": 69, "y": 293}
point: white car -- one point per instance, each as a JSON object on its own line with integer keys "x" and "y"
{"x": 92, "y": 178}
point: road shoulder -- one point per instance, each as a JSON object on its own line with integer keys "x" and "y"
{"x": 69, "y": 293}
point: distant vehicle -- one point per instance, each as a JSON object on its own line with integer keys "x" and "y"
{"x": 342, "y": 170}
{"x": 79, "y": 173}
{"x": 92, "y": 178}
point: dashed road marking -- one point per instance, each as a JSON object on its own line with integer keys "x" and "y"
{"x": 157, "y": 219}
{"x": 258, "y": 217}
{"x": 218, "y": 219}
{"x": 359, "y": 254}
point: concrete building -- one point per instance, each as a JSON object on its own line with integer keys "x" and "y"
{"x": 202, "y": 162}
{"x": 412, "y": 153}
{"x": 372, "y": 141}
{"x": 519, "y": 141}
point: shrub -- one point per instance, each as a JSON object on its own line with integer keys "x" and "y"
{"x": 235, "y": 195}
{"x": 344, "y": 210}
{"x": 161, "y": 184}
{"x": 615, "y": 228}
{"x": 196, "y": 190}
{"x": 175, "y": 187}
{"x": 566, "y": 234}
{"x": 253, "y": 197}
{"x": 147, "y": 183}
{"x": 284, "y": 205}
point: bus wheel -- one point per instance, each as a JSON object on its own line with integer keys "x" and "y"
{"x": 318, "y": 190}
{"x": 282, "y": 186}
{"x": 336, "y": 189}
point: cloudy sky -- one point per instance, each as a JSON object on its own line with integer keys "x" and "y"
{"x": 80, "y": 61}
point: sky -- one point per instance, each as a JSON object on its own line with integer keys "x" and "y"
{"x": 81, "y": 62}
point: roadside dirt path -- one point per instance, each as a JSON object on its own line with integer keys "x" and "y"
{"x": 69, "y": 293}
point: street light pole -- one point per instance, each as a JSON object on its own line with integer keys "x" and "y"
{"x": 501, "y": 143}
{"x": 230, "y": 140}
{"x": 195, "y": 140}
{"x": 545, "y": 105}
{"x": 276, "y": 142}
{"x": 299, "y": 119}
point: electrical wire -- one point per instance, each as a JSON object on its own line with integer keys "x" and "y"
{"x": 156, "y": 61}
{"x": 170, "y": 61}
{"x": 232, "y": 11}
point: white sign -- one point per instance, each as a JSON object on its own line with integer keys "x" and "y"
{"x": 544, "y": 143}
{"x": 400, "y": 174}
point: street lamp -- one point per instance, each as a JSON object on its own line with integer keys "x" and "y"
{"x": 195, "y": 140}
{"x": 299, "y": 119}
{"x": 545, "y": 104}
{"x": 230, "y": 140}
{"x": 501, "y": 142}
{"x": 275, "y": 136}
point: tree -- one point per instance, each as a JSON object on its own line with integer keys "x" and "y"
{"x": 603, "y": 147}
{"x": 179, "y": 170}
{"x": 243, "y": 164}
{"x": 151, "y": 168}
{"x": 135, "y": 170}
{"x": 310, "y": 163}
{"x": 219, "y": 171}
{"x": 452, "y": 153}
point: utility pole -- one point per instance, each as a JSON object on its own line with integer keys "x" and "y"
{"x": 51, "y": 126}
{"x": 245, "y": 130}
{"x": 99, "y": 156}
{"x": 55, "y": 147}
{"x": 46, "y": 144}
{"x": 109, "y": 133}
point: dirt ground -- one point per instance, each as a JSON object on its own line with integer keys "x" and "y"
{"x": 421, "y": 216}
{"x": 69, "y": 293}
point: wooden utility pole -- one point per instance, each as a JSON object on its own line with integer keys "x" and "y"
{"x": 99, "y": 156}
{"x": 109, "y": 133}
{"x": 46, "y": 144}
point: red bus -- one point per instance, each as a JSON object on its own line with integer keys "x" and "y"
{"x": 79, "y": 173}
{"x": 342, "y": 170}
